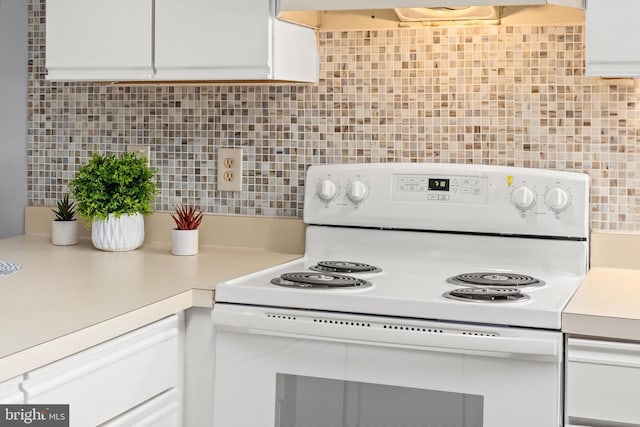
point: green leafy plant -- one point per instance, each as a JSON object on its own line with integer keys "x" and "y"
{"x": 111, "y": 184}
{"x": 66, "y": 209}
{"x": 187, "y": 217}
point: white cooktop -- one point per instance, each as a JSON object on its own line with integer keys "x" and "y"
{"x": 415, "y": 268}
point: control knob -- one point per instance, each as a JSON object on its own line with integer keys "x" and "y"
{"x": 523, "y": 198}
{"x": 327, "y": 190}
{"x": 357, "y": 191}
{"x": 557, "y": 199}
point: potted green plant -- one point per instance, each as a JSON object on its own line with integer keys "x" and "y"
{"x": 64, "y": 228}
{"x": 184, "y": 238}
{"x": 113, "y": 193}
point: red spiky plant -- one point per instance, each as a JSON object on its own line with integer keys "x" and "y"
{"x": 187, "y": 217}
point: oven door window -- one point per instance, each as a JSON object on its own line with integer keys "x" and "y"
{"x": 304, "y": 401}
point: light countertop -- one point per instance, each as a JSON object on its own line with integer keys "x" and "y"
{"x": 606, "y": 305}
{"x": 69, "y": 298}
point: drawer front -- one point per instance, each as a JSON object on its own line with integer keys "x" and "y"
{"x": 109, "y": 379}
{"x": 602, "y": 383}
{"x": 10, "y": 392}
{"x": 161, "y": 411}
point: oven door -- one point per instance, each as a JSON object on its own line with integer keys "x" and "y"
{"x": 295, "y": 368}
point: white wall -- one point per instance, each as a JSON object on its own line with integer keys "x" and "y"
{"x": 13, "y": 116}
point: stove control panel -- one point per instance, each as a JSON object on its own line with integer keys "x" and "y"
{"x": 449, "y": 197}
{"x": 464, "y": 189}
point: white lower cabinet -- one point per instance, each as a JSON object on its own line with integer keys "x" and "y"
{"x": 10, "y": 392}
{"x": 161, "y": 411}
{"x": 118, "y": 380}
{"x": 602, "y": 383}
{"x": 199, "y": 368}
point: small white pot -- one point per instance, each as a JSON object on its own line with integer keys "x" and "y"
{"x": 184, "y": 242}
{"x": 118, "y": 234}
{"x": 64, "y": 233}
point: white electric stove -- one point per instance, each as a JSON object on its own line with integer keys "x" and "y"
{"x": 422, "y": 224}
{"x": 385, "y": 245}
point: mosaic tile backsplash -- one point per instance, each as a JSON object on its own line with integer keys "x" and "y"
{"x": 499, "y": 95}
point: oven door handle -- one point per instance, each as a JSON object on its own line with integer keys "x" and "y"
{"x": 543, "y": 349}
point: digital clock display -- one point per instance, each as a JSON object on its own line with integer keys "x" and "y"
{"x": 438, "y": 184}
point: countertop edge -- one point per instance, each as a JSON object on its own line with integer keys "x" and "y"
{"x": 600, "y": 327}
{"x": 23, "y": 361}
{"x": 604, "y": 306}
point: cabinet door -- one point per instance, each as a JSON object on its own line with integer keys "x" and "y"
{"x": 602, "y": 383}
{"x": 295, "y": 53}
{"x": 99, "y": 40}
{"x": 204, "y": 39}
{"x": 104, "y": 381}
{"x": 10, "y": 392}
{"x": 612, "y": 31}
{"x": 161, "y": 411}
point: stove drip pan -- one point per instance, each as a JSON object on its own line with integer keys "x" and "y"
{"x": 495, "y": 279}
{"x": 319, "y": 281}
{"x": 486, "y": 295}
{"x": 344, "y": 267}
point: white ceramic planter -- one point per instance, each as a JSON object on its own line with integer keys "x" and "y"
{"x": 118, "y": 234}
{"x": 184, "y": 242}
{"x": 64, "y": 233}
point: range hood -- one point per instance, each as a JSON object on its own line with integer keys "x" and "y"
{"x": 318, "y": 5}
{"x": 428, "y": 14}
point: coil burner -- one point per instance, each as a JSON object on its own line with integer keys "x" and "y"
{"x": 486, "y": 295}
{"x": 344, "y": 267}
{"x": 319, "y": 281}
{"x": 499, "y": 280}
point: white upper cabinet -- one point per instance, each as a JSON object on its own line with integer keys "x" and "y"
{"x": 99, "y": 40}
{"x": 612, "y": 33}
{"x": 231, "y": 40}
{"x": 176, "y": 40}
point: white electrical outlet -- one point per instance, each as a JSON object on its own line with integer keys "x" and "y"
{"x": 229, "y": 169}
{"x": 141, "y": 151}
